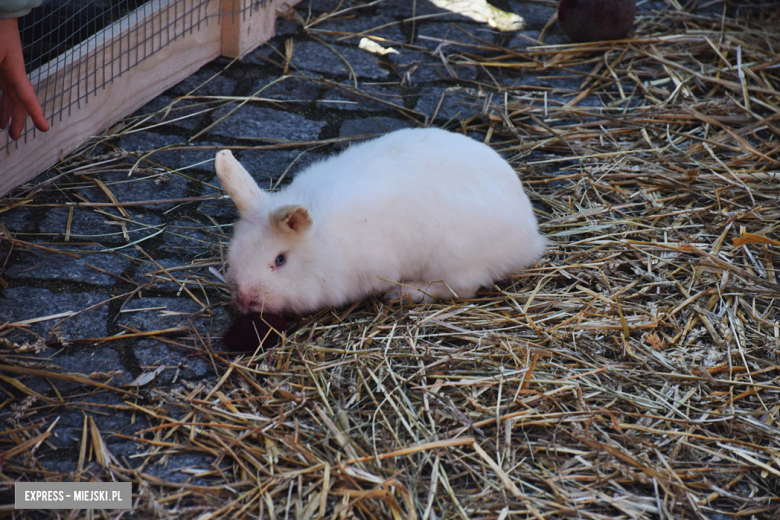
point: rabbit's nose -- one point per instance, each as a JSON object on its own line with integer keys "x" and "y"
{"x": 243, "y": 301}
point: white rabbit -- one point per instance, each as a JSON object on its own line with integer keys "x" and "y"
{"x": 422, "y": 212}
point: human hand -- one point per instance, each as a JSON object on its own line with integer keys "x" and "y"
{"x": 18, "y": 96}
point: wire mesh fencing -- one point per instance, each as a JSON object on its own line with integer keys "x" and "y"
{"x": 75, "y": 48}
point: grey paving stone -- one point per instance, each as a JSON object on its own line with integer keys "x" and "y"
{"x": 361, "y": 24}
{"x": 535, "y": 15}
{"x": 84, "y": 362}
{"x": 177, "y": 466}
{"x": 526, "y": 38}
{"x": 341, "y": 99}
{"x": 454, "y": 40}
{"x": 26, "y": 303}
{"x": 109, "y": 420}
{"x": 140, "y": 187}
{"x": 210, "y": 187}
{"x": 199, "y": 157}
{"x": 536, "y": 98}
{"x": 316, "y": 57}
{"x": 157, "y": 313}
{"x": 588, "y": 101}
{"x": 262, "y": 54}
{"x": 267, "y": 166}
{"x": 88, "y": 225}
{"x": 260, "y": 122}
{"x": 148, "y": 273}
{"x": 416, "y": 68}
{"x": 219, "y": 208}
{"x": 183, "y": 114}
{"x": 408, "y": 9}
{"x": 215, "y": 85}
{"x": 530, "y": 38}
{"x": 124, "y": 450}
{"x": 286, "y": 27}
{"x": 188, "y": 237}
{"x": 324, "y": 6}
{"x": 368, "y": 126}
{"x": 68, "y": 432}
{"x": 222, "y": 209}
{"x": 187, "y": 273}
{"x": 115, "y": 421}
{"x": 144, "y": 142}
{"x": 290, "y": 89}
{"x": 147, "y": 141}
{"x": 456, "y": 103}
{"x": 17, "y": 220}
{"x": 36, "y": 264}
{"x": 651, "y": 6}
{"x": 152, "y": 354}
{"x": 554, "y": 78}
{"x": 58, "y": 462}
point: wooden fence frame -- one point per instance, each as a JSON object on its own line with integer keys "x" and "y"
{"x": 227, "y": 31}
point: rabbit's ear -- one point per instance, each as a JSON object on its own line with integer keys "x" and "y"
{"x": 290, "y": 220}
{"x": 237, "y": 182}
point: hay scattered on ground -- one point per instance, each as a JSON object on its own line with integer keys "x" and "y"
{"x": 633, "y": 373}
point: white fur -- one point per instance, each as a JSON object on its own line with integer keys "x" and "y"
{"x": 417, "y": 206}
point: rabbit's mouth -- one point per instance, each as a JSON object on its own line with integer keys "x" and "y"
{"x": 245, "y": 302}
{"x": 265, "y": 308}
{"x": 242, "y": 302}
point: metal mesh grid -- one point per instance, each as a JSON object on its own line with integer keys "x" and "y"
{"x": 58, "y": 25}
{"x": 62, "y": 36}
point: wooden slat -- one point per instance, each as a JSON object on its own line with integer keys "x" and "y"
{"x": 242, "y": 32}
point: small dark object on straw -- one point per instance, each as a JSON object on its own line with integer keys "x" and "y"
{"x": 254, "y": 329}
{"x": 596, "y": 20}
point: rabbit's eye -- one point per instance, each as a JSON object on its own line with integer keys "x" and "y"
{"x": 280, "y": 260}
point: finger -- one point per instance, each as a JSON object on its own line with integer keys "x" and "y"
{"x": 17, "y": 121}
{"x": 36, "y": 114}
{"x": 5, "y": 110}
{"x": 30, "y": 102}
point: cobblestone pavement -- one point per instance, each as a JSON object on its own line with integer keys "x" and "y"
{"x": 74, "y": 301}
